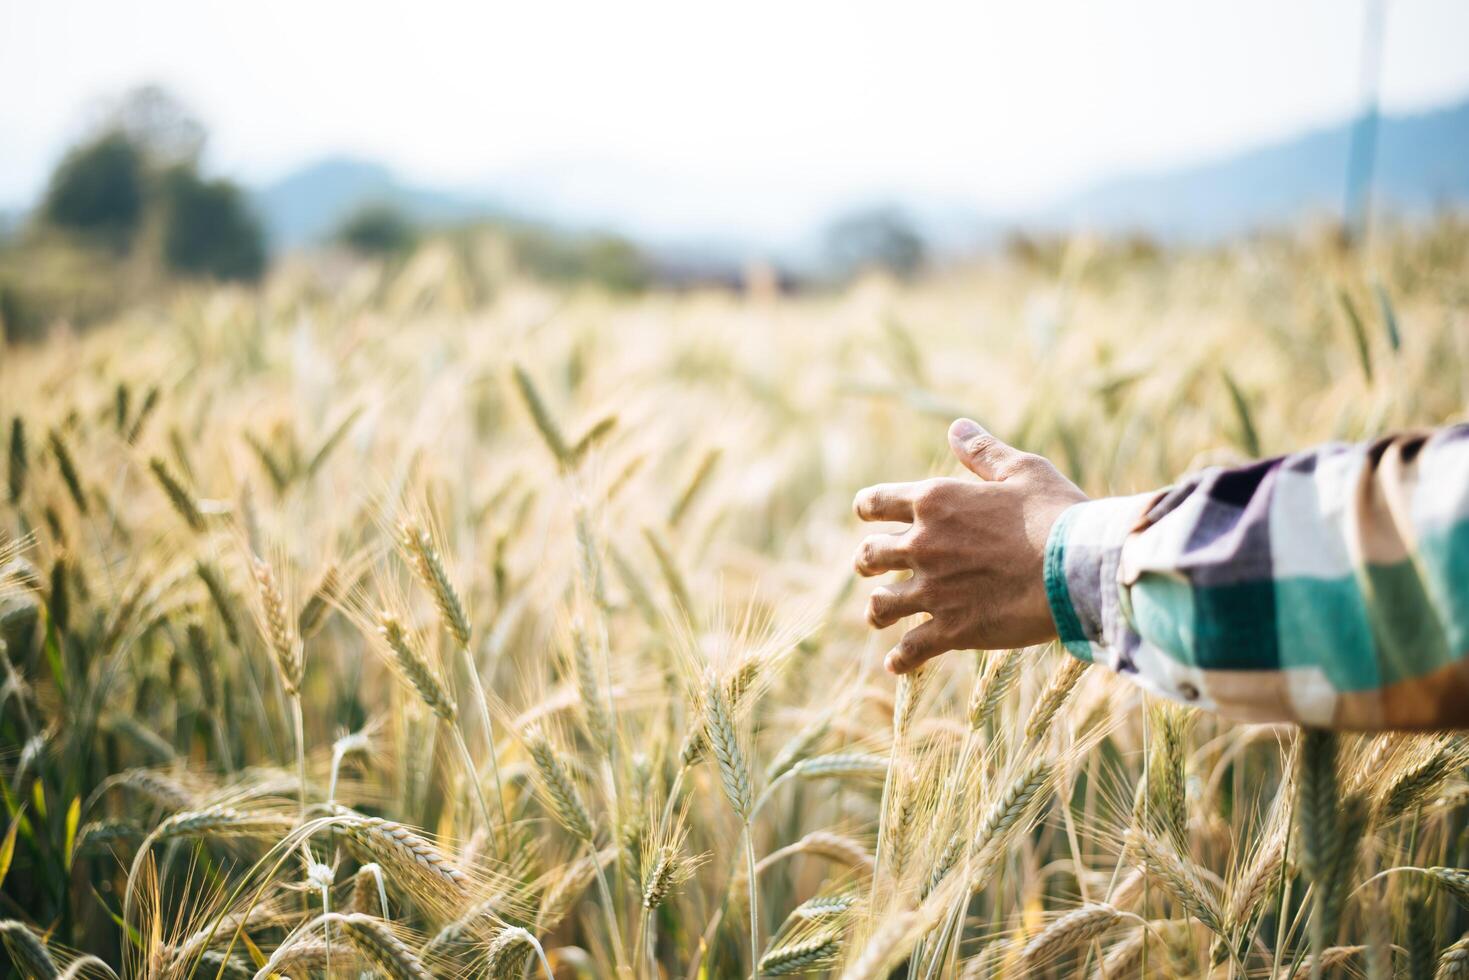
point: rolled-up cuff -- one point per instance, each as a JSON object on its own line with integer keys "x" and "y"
{"x": 1082, "y": 556}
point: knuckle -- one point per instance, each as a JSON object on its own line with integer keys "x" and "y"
{"x": 980, "y": 445}
{"x": 869, "y": 557}
{"x": 1029, "y": 464}
{"x": 936, "y": 500}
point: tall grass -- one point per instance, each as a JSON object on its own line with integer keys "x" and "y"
{"x": 401, "y": 630}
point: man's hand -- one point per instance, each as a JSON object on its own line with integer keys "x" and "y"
{"x": 976, "y": 551}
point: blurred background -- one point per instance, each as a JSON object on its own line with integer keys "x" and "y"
{"x": 684, "y": 145}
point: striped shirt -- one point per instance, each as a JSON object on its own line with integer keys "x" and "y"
{"x": 1330, "y": 587}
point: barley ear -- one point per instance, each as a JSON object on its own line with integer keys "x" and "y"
{"x": 719, "y": 728}
{"x": 994, "y": 683}
{"x": 1166, "y": 806}
{"x": 27, "y": 952}
{"x": 1071, "y": 930}
{"x": 415, "y": 668}
{"x": 279, "y": 632}
{"x": 1178, "y": 876}
{"x": 428, "y": 564}
{"x": 376, "y": 942}
{"x": 178, "y": 495}
{"x": 67, "y": 465}
{"x": 19, "y": 461}
{"x": 1056, "y": 693}
{"x": 800, "y": 956}
{"x": 540, "y": 414}
{"x": 1453, "y": 963}
{"x": 566, "y": 802}
{"x": 695, "y": 486}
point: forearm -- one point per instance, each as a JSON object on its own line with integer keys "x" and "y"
{"x": 1330, "y": 587}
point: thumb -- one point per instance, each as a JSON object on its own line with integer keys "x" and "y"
{"x": 986, "y": 457}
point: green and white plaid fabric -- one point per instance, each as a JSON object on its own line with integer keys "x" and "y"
{"x": 1330, "y": 587}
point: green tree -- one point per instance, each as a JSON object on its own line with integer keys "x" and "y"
{"x": 377, "y": 229}
{"x": 99, "y": 190}
{"x": 208, "y": 229}
{"x": 882, "y": 237}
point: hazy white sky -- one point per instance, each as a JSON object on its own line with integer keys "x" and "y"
{"x": 1001, "y": 103}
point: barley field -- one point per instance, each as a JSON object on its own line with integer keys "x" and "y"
{"x": 419, "y": 620}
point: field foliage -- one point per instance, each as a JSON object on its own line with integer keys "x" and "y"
{"x": 416, "y": 618}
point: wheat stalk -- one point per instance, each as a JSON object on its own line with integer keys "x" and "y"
{"x": 800, "y": 957}
{"x": 419, "y": 548}
{"x": 369, "y": 892}
{"x": 178, "y": 495}
{"x": 1177, "y": 876}
{"x": 1075, "y": 928}
{"x": 883, "y": 948}
{"x": 19, "y": 460}
{"x": 1062, "y": 682}
{"x": 374, "y": 839}
{"x": 1165, "y": 804}
{"x": 279, "y": 634}
{"x": 61, "y": 452}
{"x": 566, "y": 802}
{"x": 1453, "y": 962}
{"x": 695, "y": 485}
{"x": 374, "y": 939}
{"x": 540, "y": 414}
{"x": 594, "y": 709}
{"x": 223, "y": 821}
{"x": 27, "y": 951}
{"x": 415, "y": 668}
{"x": 319, "y": 604}
{"x": 1011, "y": 810}
{"x": 837, "y": 848}
{"x": 842, "y": 765}
{"x": 719, "y": 729}
{"x": 992, "y": 686}
{"x": 220, "y": 596}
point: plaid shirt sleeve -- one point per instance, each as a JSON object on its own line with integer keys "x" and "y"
{"x": 1330, "y": 587}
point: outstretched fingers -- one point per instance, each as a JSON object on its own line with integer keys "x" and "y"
{"x": 887, "y": 502}
{"x": 918, "y": 646}
{"x": 890, "y": 603}
{"x": 880, "y": 553}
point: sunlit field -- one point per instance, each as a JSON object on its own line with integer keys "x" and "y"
{"x": 422, "y": 620}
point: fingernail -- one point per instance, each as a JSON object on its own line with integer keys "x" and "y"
{"x": 964, "y": 429}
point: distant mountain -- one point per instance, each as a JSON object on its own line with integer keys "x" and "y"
{"x": 1422, "y": 163}
{"x": 306, "y": 205}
